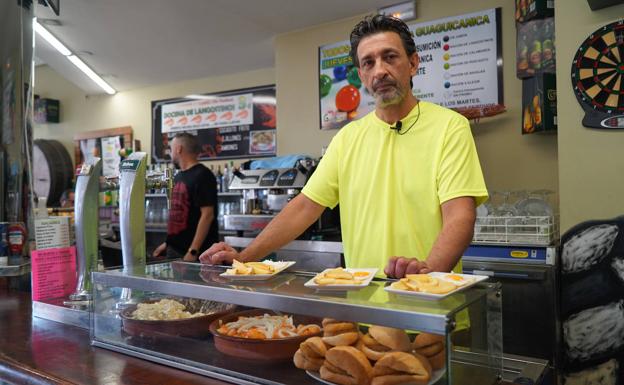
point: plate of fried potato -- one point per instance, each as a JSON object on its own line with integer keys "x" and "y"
{"x": 342, "y": 279}
{"x": 255, "y": 271}
{"x": 433, "y": 285}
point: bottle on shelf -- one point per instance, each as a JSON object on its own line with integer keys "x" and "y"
{"x": 219, "y": 177}
{"x": 231, "y": 173}
{"x": 225, "y": 183}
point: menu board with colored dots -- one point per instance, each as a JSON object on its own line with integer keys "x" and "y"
{"x": 460, "y": 67}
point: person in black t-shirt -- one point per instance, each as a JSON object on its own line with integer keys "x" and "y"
{"x": 192, "y": 226}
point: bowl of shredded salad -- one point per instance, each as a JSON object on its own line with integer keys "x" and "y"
{"x": 263, "y": 335}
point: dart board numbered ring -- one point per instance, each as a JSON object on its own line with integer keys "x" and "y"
{"x": 598, "y": 77}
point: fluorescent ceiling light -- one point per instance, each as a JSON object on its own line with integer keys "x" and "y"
{"x": 92, "y": 75}
{"x": 54, "y": 42}
{"x": 403, "y": 11}
{"x": 72, "y": 58}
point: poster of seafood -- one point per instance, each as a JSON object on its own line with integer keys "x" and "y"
{"x": 460, "y": 68}
{"x": 229, "y": 125}
{"x": 207, "y": 111}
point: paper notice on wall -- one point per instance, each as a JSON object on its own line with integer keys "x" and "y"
{"x": 88, "y": 148}
{"x": 53, "y": 273}
{"x": 52, "y": 233}
{"x": 110, "y": 156}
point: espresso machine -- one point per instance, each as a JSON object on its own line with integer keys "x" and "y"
{"x": 264, "y": 192}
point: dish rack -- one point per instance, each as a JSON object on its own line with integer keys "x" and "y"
{"x": 519, "y": 230}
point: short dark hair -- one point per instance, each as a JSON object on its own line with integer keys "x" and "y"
{"x": 373, "y": 24}
{"x": 189, "y": 142}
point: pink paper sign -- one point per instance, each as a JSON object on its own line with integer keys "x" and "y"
{"x": 53, "y": 273}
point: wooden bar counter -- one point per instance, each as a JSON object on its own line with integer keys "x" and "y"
{"x": 41, "y": 352}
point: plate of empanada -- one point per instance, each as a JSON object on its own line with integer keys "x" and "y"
{"x": 342, "y": 279}
{"x": 255, "y": 271}
{"x": 434, "y": 285}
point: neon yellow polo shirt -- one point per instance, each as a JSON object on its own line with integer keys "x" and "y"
{"x": 390, "y": 186}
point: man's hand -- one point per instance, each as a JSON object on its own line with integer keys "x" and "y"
{"x": 219, "y": 253}
{"x": 160, "y": 249}
{"x": 397, "y": 267}
{"x": 188, "y": 257}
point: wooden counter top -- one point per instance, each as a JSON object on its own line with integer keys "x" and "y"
{"x": 41, "y": 352}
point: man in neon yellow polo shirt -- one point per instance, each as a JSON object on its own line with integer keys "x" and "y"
{"x": 407, "y": 175}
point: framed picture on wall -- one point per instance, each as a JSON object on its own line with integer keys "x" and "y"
{"x": 461, "y": 67}
{"x": 231, "y": 124}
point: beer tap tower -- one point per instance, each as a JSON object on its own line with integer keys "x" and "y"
{"x": 86, "y": 222}
{"x": 132, "y": 182}
{"x": 132, "y": 217}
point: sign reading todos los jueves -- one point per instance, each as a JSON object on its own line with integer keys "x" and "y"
{"x": 460, "y": 67}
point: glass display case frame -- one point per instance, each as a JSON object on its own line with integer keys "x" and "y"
{"x": 470, "y": 320}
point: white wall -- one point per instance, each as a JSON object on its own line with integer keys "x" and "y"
{"x": 591, "y": 162}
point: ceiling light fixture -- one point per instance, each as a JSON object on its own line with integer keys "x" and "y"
{"x": 92, "y": 75}
{"x": 404, "y": 11}
{"x": 54, "y": 42}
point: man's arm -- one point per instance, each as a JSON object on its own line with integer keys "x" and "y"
{"x": 297, "y": 216}
{"x": 458, "y": 218}
{"x": 203, "y": 226}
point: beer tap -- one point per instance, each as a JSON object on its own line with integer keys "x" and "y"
{"x": 86, "y": 221}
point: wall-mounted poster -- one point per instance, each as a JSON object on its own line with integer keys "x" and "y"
{"x": 229, "y": 125}
{"x": 460, "y": 67}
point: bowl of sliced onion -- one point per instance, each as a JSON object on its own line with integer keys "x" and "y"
{"x": 174, "y": 317}
{"x": 263, "y": 335}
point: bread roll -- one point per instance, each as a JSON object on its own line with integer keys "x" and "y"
{"x": 338, "y": 328}
{"x": 395, "y": 339}
{"x": 354, "y": 367}
{"x": 313, "y": 347}
{"x": 305, "y": 363}
{"x": 400, "y": 368}
{"x": 337, "y": 378}
{"x": 424, "y": 339}
{"x": 398, "y": 379}
{"x": 428, "y": 344}
{"x": 372, "y": 354}
{"x": 329, "y": 321}
{"x": 438, "y": 361}
{"x": 403, "y": 363}
{"x": 343, "y": 339}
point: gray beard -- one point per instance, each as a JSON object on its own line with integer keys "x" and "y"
{"x": 388, "y": 99}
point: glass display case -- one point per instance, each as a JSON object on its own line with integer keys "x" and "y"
{"x": 467, "y": 323}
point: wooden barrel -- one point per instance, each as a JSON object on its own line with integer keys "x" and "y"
{"x": 52, "y": 170}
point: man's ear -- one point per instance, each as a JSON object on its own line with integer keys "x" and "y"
{"x": 414, "y": 63}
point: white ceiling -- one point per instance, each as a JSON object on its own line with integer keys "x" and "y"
{"x": 139, "y": 43}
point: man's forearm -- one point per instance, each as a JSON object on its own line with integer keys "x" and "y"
{"x": 456, "y": 234}
{"x": 203, "y": 226}
{"x": 293, "y": 220}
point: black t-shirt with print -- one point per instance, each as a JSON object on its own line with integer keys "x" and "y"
{"x": 192, "y": 189}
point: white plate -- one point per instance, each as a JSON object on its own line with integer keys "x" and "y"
{"x": 435, "y": 377}
{"x": 534, "y": 207}
{"x": 371, "y": 273}
{"x": 279, "y": 267}
{"x": 473, "y": 280}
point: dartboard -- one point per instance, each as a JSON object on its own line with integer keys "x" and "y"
{"x": 598, "y": 77}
